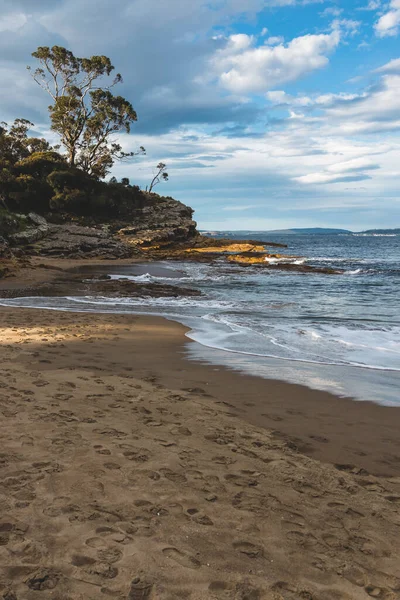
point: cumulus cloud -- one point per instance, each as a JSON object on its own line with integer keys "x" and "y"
{"x": 389, "y": 23}
{"x": 372, "y": 110}
{"x": 244, "y": 68}
{"x": 393, "y": 66}
{"x": 274, "y": 40}
{"x": 375, "y": 110}
{"x": 281, "y": 98}
{"x": 159, "y": 47}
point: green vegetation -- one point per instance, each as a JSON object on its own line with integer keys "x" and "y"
{"x": 160, "y": 175}
{"x": 68, "y": 180}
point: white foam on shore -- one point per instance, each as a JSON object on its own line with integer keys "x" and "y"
{"x": 226, "y": 326}
{"x": 285, "y": 260}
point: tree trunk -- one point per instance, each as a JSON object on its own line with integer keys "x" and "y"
{"x": 72, "y": 157}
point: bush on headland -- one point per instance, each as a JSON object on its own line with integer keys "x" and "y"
{"x": 43, "y": 181}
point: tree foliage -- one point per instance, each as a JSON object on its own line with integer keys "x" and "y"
{"x": 34, "y": 177}
{"x": 85, "y": 113}
{"x": 160, "y": 175}
{"x": 15, "y": 143}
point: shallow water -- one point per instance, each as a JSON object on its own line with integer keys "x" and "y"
{"x": 335, "y": 332}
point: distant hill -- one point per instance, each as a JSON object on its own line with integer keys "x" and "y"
{"x": 246, "y": 234}
{"x": 380, "y": 231}
{"x": 309, "y": 231}
{"x": 256, "y": 234}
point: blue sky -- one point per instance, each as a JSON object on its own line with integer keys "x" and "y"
{"x": 269, "y": 113}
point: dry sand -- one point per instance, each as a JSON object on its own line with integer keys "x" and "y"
{"x": 128, "y": 472}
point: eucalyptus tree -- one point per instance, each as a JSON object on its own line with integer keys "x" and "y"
{"x": 84, "y": 112}
{"x": 160, "y": 175}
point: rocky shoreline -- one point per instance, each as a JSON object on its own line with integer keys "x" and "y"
{"x": 163, "y": 229}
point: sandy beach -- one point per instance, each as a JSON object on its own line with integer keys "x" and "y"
{"x": 129, "y": 472}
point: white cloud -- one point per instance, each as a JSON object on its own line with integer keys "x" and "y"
{"x": 389, "y": 23}
{"x": 393, "y": 66}
{"x": 331, "y": 11}
{"x": 376, "y": 110}
{"x": 355, "y": 169}
{"x": 12, "y": 21}
{"x": 245, "y": 69}
{"x": 349, "y": 25}
{"x": 279, "y": 97}
{"x": 373, "y": 110}
{"x": 372, "y": 5}
{"x": 274, "y": 40}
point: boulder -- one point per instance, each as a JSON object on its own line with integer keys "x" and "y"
{"x": 37, "y": 219}
{"x": 30, "y": 235}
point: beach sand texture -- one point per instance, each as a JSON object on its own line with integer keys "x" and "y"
{"x": 117, "y": 484}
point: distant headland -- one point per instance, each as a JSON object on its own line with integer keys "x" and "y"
{"x": 301, "y": 231}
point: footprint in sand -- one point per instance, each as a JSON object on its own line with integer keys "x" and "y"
{"x": 79, "y": 560}
{"x": 102, "y": 570}
{"x": 137, "y": 455}
{"x": 185, "y": 560}
{"x": 26, "y": 440}
{"x": 304, "y": 539}
{"x": 172, "y": 476}
{"x": 109, "y": 555}
{"x": 272, "y": 417}
{"x": 97, "y": 543}
{"x": 249, "y": 549}
{"x": 140, "y": 589}
{"x": 112, "y": 466}
{"x": 46, "y": 580}
{"x": 178, "y": 431}
{"x": 100, "y": 450}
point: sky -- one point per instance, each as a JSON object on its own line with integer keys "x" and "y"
{"x": 268, "y": 113}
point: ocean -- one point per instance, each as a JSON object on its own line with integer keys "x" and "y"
{"x": 339, "y": 333}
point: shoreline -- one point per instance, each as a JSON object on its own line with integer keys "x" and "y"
{"x": 319, "y": 423}
{"x": 350, "y": 434}
{"x": 127, "y": 467}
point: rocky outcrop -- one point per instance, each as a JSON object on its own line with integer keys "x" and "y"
{"x": 129, "y": 289}
{"x": 160, "y": 221}
{"x": 73, "y": 282}
{"x": 4, "y": 248}
{"x": 163, "y": 221}
{"x": 75, "y": 241}
{"x": 30, "y": 229}
{"x": 30, "y": 235}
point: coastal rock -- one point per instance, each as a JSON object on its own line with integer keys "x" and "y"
{"x": 262, "y": 260}
{"x": 4, "y": 248}
{"x": 76, "y": 241}
{"x": 30, "y": 235}
{"x": 159, "y": 220}
{"x": 37, "y": 219}
{"x": 233, "y": 247}
{"x": 71, "y": 282}
{"x": 130, "y": 289}
{"x": 162, "y": 221}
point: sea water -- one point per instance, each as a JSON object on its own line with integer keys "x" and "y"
{"x": 339, "y": 333}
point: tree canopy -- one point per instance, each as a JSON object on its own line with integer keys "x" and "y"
{"x": 85, "y": 113}
{"x": 34, "y": 177}
{"x": 68, "y": 180}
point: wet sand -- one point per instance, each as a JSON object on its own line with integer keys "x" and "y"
{"x": 129, "y": 472}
